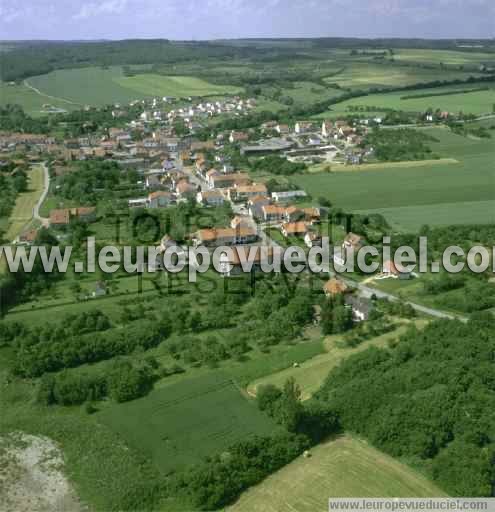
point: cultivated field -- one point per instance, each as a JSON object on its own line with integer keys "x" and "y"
{"x": 475, "y": 102}
{"x": 338, "y": 468}
{"x": 31, "y": 101}
{"x": 450, "y": 57}
{"x": 179, "y": 424}
{"x": 426, "y": 188}
{"x": 362, "y": 75}
{"x": 25, "y": 202}
{"x": 311, "y": 374}
{"x": 98, "y": 86}
{"x": 176, "y": 86}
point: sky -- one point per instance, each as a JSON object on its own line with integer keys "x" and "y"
{"x": 215, "y": 19}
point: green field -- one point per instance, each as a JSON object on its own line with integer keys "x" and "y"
{"x": 311, "y": 374}
{"x": 475, "y": 102}
{"x": 29, "y": 100}
{"x": 362, "y": 75}
{"x": 450, "y": 57}
{"x": 427, "y": 188}
{"x": 22, "y": 212}
{"x": 344, "y": 467}
{"x": 180, "y": 424}
{"x": 177, "y": 86}
{"x": 99, "y": 86}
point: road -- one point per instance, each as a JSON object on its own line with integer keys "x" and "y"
{"x": 36, "y": 210}
{"x": 367, "y": 291}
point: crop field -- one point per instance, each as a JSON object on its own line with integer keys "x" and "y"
{"x": 23, "y": 209}
{"x": 361, "y": 75}
{"x": 177, "y": 86}
{"x": 475, "y": 102}
{"x": 344, "y": 467}
{"x": 311, "y": 373}
{"x": 31, "y": 101}
{"x": 470, "y": 181}
{"x": 451, "y": 57}
{"x": 178, "y": 425}
{"x": 98, "y": 86}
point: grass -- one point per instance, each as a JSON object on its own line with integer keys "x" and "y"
{"x": 450, "y": 57}
{"x": 98, "y": 86}
{"x": 28, "y": 99}
{"x": 344, "y": 467}
{"x": 180, "y": 424}
{"x": 177, "y": 86}
{"x": 391, "y": 187}
{"x": 362, "y": 75}
{"x": 311, "y": 374}
{"x": 408, "y": 218}
{"x": 22, "y": 212}
{"x": 475, "y": 102}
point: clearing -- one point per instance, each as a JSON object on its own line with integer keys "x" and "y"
{"x": 344, "y": 467}
{"x": 311, "y": 373}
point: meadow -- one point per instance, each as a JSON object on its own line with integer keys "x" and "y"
{"x": 342, "y": 467}
{"x": 475, "y": 102}
{"x": 363, "y": 75}
{"x": 22, "y": 212}
{"x": 31, "y": 101}
{"x": 180, "y": 424}
{"x": 450, "y": 57}
{"x": 311, "y": 373}
{"x": 100, "y": 86}
{"x": 425, "y": 188}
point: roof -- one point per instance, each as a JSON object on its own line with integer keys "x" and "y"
{"x": 294, "y": 227}
{"x": 184, "y": 186}
{"x": 210, "y": 194}
{"x": 259, "y": 199}
{"x": 84, "y": 210}
{"x": 354, "y": 239}
{"x": 335, "y": 286}
{"x": 390, "y": 267}
{"x": 60, "y": 216}
{"x": 159, "y": 193}
{"x": 272, "y": 209}
{"x": 256, "y": 187}
{"x": 211, "y": 234}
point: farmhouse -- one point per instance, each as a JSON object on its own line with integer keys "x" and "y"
{"x": 160, "y": 199}
{"x": 272, "y": 213}
{"x": 255, "y": 205}
{"x": 245, "y": 192}
{"x": 294, "y": 229}
{"x": 390, "y": 269}
{"x": 225, "y": 236}
{"x": 210, "y": 197}
{"x": 334, "y": 287}
{"x": 286, "y": 196}
{"x": 228, "y": 180}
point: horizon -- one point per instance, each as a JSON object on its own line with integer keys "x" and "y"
{"x": 40, "y": 20}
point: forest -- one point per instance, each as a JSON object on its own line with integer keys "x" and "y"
{"x": 428, "y": 398}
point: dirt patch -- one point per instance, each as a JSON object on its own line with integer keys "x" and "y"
{"x": 31, "y": 476}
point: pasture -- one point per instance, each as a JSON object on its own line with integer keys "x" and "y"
{"x": 176, "y": 86}
{"x": 426, "y": 188}
{"x": 180, "y": 424}
{"x": 475, "y": 102}
{"x": 449, "y": 57}
{"x": 344, "y": 467}
{"x": 363, "y": 75}
{"x": 100, "y": 86}
{"x": 31, "y": 102}
{"x": 311, "y": 373}
{"x": 22, "y": 212}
